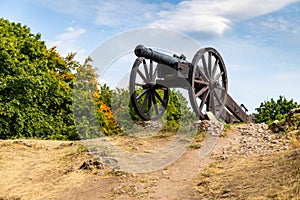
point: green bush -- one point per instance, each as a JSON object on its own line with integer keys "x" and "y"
{"x": 35, "y": 96}
{"x": 272, "y": 110}
{"x": 177, "y": 113}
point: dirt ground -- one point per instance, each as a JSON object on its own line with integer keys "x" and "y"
{"x": 39, "y": 169}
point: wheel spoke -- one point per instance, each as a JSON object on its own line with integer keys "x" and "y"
{"x": 142, "y": 94}
{"x": 201, "y": 91}
{"x": 154, "y": 74}
{"x": 201, "y": 82}
{"x": 214, "y": 68}
{"x": 209, "y": 65}
{"x": 154, "y": 103}
{"x": 149, "y": 102}
{"x": 218, "y": 75}
{"x": 221, "y": 88}
{"x": 151, "y": 71}
{"x": 203, "y": 101}
{"x": 202, "y": 74}
{"x": 217, "y": 97}
{"x": 158, "y": 97}
{"x": 142, "y": 76}
{"x": 204, "y": 66}
{"x": 145, "y": 101}
{"x": 146, "y": 70}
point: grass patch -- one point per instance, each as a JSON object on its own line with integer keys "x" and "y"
{"x": 227, "y": 128}
{"x": 164, "y": 134}
{"x": 195, "y": 146}
{"x": 117, "y": 173}
{"x": 276, "y": 176}
{"x": 82, "y": 149}
{"x": 198, "y": 139}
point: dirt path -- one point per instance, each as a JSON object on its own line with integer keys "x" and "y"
{"x": 175, "y": 181}
{"x": 181, "y": 175}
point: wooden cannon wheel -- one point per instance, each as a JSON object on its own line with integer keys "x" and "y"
{"x": 148, "y": 98}
{"x": 208, "y": 79}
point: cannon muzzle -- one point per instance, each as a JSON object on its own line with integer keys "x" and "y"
{"x": 142, "y": 51}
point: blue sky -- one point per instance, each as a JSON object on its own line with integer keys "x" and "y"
{"x": 259, "y": 40}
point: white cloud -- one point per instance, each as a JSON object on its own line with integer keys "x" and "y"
{"x": 112, "y": 13}
{"x": 115, "y": 13}
{"x": 72, "y": 33}
{"x": 214, "y": 16}
{"x": 281, "y": 24}
{"x": 64, "y": 47}
{"x": 67, "y": 42}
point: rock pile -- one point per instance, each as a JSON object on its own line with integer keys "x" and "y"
{"x": 255, "y": 139}
{"x": 150, "y": 124}
{"x": 213, "y": 126}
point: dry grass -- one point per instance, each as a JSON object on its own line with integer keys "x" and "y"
{"x": 260, "y": 177}
{"x": 43, "y": 169}
{"x": 31, "y": 169}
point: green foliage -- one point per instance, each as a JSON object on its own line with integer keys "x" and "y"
{"x": 106, "y": 94}
{"x": 271, "y": 110}
{"x": 123, "y": 110}
{"x": 34, "y": 96}
{"x": 177, "y": 113}
{"x": 93, "y": 117}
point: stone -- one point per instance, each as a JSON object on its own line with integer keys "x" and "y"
{"x": 86, "y": 165}
{"x": 91, "y": 164}
{"x": 260, "y": 130}
{"x": 98, "y": 164}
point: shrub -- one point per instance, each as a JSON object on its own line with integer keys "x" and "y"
{"x": 177, "y": 113}
{"x": 35, "y": 87}
{"x": 271, "y": 110}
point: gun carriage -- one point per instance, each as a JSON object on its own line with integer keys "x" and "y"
{"x": 154, "y": 73}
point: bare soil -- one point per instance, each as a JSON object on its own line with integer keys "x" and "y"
{"x": 39, "y": 169}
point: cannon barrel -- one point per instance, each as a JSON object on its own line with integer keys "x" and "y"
{"x": 142, "y": 51}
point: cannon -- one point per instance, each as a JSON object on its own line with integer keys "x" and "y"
{"x": 154, "y": 73}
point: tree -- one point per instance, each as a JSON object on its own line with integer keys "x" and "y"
{"x": 271, "y": 110}
{"x": 35, "y": 87}
{"x": 93, "y": 117}
{"x": 106, "y": 94}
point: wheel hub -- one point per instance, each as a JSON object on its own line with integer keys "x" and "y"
{"x": 213, "y": 85}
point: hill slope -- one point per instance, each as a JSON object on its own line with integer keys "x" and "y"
{"x": 249, "y": 162}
